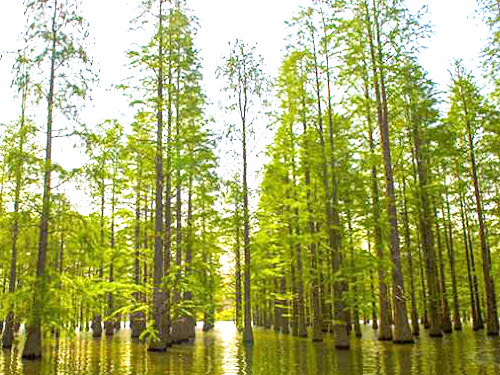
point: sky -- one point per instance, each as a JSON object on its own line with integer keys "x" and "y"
{"x": 458, "y": 34}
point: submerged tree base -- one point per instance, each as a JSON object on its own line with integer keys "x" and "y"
{"x": 33, "y": 347}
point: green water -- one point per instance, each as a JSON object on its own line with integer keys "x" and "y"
{"x": 221, "y": 352}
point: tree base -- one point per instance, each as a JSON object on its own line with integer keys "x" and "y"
{"x": 404, "y": 341}
{"x": 33, "y": 346}
{"x": 436, "y": 334}
{"x": 342, "y": 346}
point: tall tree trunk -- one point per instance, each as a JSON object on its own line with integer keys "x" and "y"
{"x": 137, "y": 318}
{"x": 354, "y": 280}
{"x": 475, "y": 321}
{"x": 159, "y": 344}
{"x": 419, "y": 145}
{"x": 168, "y": 201}
{"x": 178, "y": 183}
{"x": 237, "y": 255}
{"x": 385, "y": 328}
{"x": 8, "y": 333}
{"x": 247, "y": 328}
{"x": 457, "y": 321}
{"x": 414, "y": 309}
{"x": 492, "y": 327}
{"x": 301, "y": 314}
{"x": 477, "y": 296}
{"x": 402, "y": 333}
{"x": 445, "y": 309}
{"x": 109, "y": 324}
{"x": 189, "y": 257}
{"x": 33, "y": 345}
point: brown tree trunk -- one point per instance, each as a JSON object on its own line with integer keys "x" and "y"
{"x": 137, "y": 318}
{"x": 247, "y": 327}
{"x": 475, "y": 321}
{"x": 191, "y": 318}
{"x": 446, "y": 326}
{"x": 300, "y": 298}
{"x": 402, "y": 333}
{"x": 426, "y": 230}
{"x": 237, "y": 255}
{"x": 339, "y": 326}
{"x": 457, "y": 321}
{"x": 33, "y": 345}
{"x": 492, "y": 327}
{"x": 8, "y": 333}
{"x": 414, "y": 309}
{"x": 159, "y": 344}
{"x": 385, "y": 328}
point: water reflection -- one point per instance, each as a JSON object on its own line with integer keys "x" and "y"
{"x": 222, "y": 353}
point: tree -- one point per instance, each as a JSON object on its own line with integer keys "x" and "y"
{"x": 467, "y": 111}
{"x": 55, "y": 27}
{"x": 242, "y": 70}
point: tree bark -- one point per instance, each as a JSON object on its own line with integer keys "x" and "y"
{"x": 402, "y": 333}
{"x": 492, "y": 327}
{"x": 158, "y": 344}
{"x": 33, "y": 345}
{"x": 457, "y": 321}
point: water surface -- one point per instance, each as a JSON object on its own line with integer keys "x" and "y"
{"x": 222, "y": 353}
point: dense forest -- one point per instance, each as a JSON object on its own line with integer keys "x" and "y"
{"x": 379, "y": 202}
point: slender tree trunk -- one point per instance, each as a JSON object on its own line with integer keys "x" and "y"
{"x": 301, "y": 314}
{"x": 354, "y": 280}
{"x": 8, "y": 333}
{"x": 445, "y": 309}
{"x": 109, "y": 324}
{"x": 33, "y": 345}
{"x": 168, "y": 202}
{"x": 189, "y": 257}
{"x": 237, "y": 252}
{"x": 339, "y": 327}
{"x": 414, "y": 310}
{"x": 402, "y": 333}
{"x": 426, "y": 229}
{"x": 477, "y": 297}
{"x": 492, "y": 327}
{"x": 178, "y": 184}
{"x": 247, "y": 328}
{"x": 137, "y": 318}
{"x": 385, "y": 329}
{"x": 457, "y": 321}
{"x": 159, "y": 343}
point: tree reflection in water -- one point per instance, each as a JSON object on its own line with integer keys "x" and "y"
{"x": 222, "y": 352}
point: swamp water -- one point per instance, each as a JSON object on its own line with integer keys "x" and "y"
{"x": 221, "y": 352}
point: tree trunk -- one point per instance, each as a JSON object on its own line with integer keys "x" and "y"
{"x": 426, "y": 230}
{"x": 33, "y": 345}
{"x": 385, "y": 328}
{"x": 457, "y": 321}
{"x": 237, "y": 255}
{"x": 402, "y": 333}
{"x": 414, "y": 310}
{"x": 191, "y": 318}
{"x": 445, "y": 309}
{"x": 8, "y": 333}
{"x": 158, "y": 344}
{"x": 474, "y": 312}
{"x": 247, "y": 328}
{"x": 137, "y": 318}
{"x": 492, "y": 328}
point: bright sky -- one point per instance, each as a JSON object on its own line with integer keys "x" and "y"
{"x": 457, "y": 35}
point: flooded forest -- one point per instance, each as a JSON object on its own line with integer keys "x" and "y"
{"x": 364, "y": 239}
